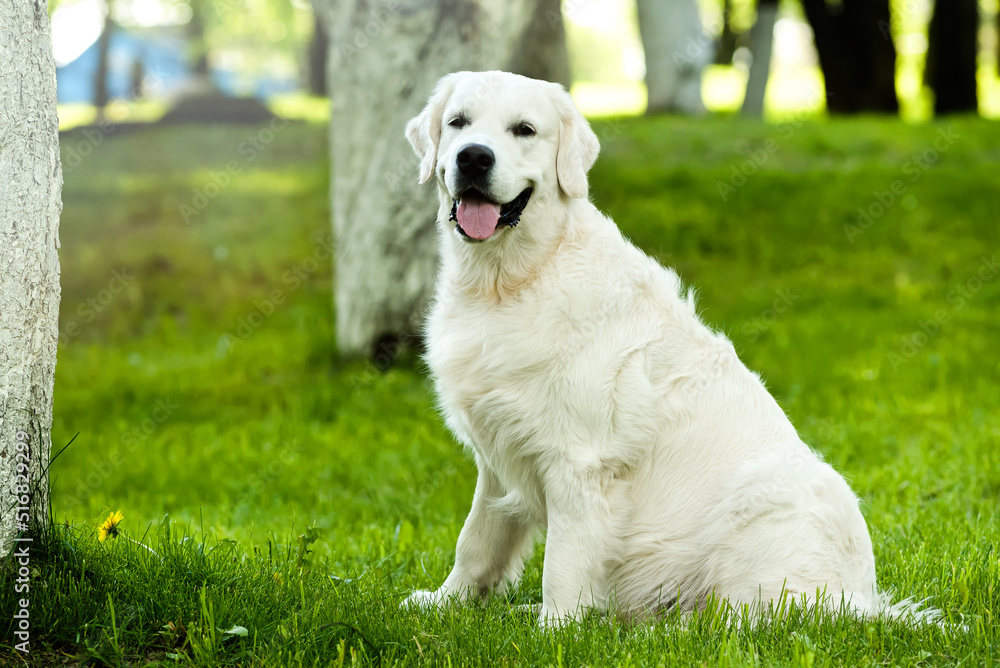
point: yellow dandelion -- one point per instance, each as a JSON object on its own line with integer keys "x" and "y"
{"x": 110, "y": 527}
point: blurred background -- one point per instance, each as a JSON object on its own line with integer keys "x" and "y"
{"x": 246, "y": 252}
{"x": 135, "y": 58}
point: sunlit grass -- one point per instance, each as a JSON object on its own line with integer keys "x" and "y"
{"x": 118, "y": 111}
{"x": 791, "y": 92}
{"x": 74, "y": 114}
{"x": 989, "y": 90}
{"x": 207, "y": 387}
{"x": 300, "y": 106}
{"x": 599, "y": 99}
{"x": 722, "y": 88}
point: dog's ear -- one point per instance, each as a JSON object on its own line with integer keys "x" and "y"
{"x": 424, "y": 131}
{"x": 578, "y": 148}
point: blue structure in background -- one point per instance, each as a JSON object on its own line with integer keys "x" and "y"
{"x": 163, "y": 54}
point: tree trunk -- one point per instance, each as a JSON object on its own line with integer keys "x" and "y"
{"x": 197, "y": 42}
{"x": 319, "y": 45}
{"x": 29, "y": 262}
{"x": 726, "y": 47}
{"x": 385, "y": 59}
{"x": 101, "y": 74}
{"x": 856, "y": 54}
{"x": 677, "y": 49}
{"x": 761, "y": 39}
{"x": 951, "y": 56}
{"x": 541, "y": 53}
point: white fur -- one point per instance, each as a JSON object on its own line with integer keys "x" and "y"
{"x": 599, "y": 406}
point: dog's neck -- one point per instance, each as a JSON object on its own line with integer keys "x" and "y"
{"x": 498, "y": 269}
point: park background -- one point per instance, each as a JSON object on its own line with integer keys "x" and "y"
{"x": 280, "y": 498}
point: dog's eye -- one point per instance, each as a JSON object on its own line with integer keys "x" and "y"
{"x": 522, "y": 130}
{"x": 459, "y": 121}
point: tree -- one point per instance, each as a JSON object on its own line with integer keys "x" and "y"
{"x": 101, "y": 97}
{"x": 856, "y": 54}
{"x": 29, "y": 263}
{"x": 196, "y": 39}
{"x": 677, "y": 50}
{"x": 725, "y": 48}
{"x": 385, "y": 59}
{"x": 951, "y": 56}
{"x": 761, "y": 40}
{"x": 319, "y": 45}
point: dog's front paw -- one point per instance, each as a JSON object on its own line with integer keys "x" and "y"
{"x": 422, "y": 599}
{"x": 550, "y": 618}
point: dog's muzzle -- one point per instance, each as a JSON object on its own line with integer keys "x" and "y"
{"x": 472, "y": 214}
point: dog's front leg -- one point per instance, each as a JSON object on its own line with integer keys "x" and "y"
{"x": 580, "y": 541}
{"x": 490, "y": 551}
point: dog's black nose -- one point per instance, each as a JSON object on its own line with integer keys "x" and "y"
{"x": 475, "y": 160}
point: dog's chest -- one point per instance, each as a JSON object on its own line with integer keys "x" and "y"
{"x": 521, "y": 381}
{"x": 494, "y": 376}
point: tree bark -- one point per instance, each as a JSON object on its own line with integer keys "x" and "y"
{"x": 726, "y": 47}
{"x": 197, "y": 42}
{"x": 30, "y": 204}
{"x": 677, "y": 50}
{"x": 856, "y": 54}
{"x": 761, "y": 40}
{"x": 385, "y": 58}
{"x": 101, "y": 74}
{"x": 319, "y": 45}
{"x": 541, "y": 53}
{"x": 951, "y": 56}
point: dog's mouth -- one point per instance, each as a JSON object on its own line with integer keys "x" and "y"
{"x": 477, "y": 217}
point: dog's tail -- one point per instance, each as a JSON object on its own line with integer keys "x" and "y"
{"x": 907, "y": 610}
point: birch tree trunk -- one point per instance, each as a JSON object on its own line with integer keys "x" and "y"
{"x": 677, "y": 50}
{"x": 761, "y": 40}
{"x": 30, "y": 189}
{"x": 385, "y": 58}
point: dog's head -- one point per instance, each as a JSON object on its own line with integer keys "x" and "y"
{"x": 496, "y": 142}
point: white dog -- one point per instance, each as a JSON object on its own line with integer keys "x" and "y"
{"x": 595, "y": 401}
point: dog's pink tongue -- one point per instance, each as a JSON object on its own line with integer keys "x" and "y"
{"x": 478, "y": 217}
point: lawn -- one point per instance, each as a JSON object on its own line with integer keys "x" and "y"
{"x": 271, "y": 488}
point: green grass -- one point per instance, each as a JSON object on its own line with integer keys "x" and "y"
{"x": 223, "y": 423}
